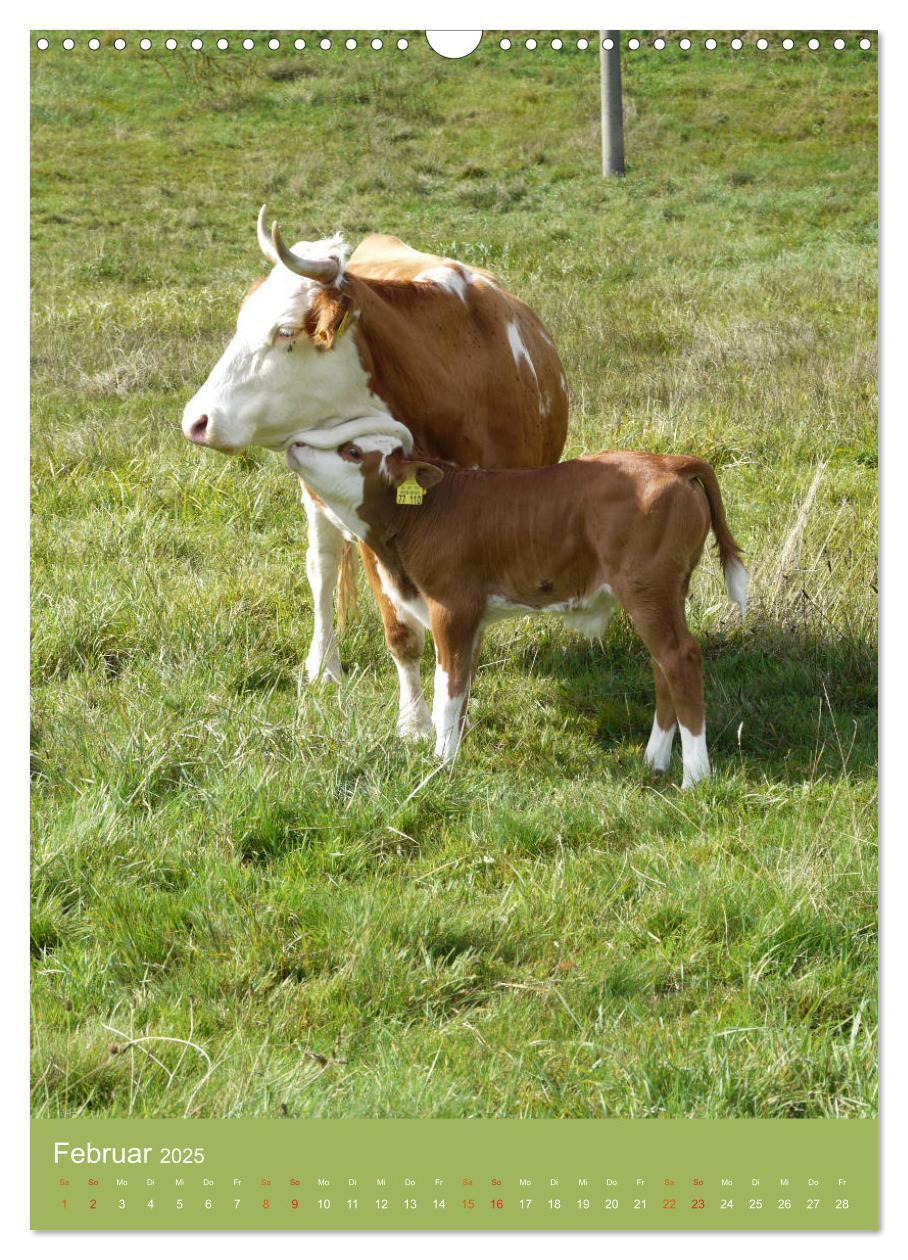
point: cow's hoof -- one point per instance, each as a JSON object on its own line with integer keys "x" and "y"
{"x": 326, "y": 670}
{"x": 415, "y": 727}
{"x": 691, "y": 779}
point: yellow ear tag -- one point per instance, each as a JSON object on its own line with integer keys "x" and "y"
{"x": 410, "y": 491}
{"x": 344, "y": 324}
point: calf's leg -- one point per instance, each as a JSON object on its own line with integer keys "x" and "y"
{"x": 658, "y": 753}
{"x": 677, "y": 653}
{"x": 323, "y": 559}
{"x": 406, "y": 638}
{"x": 456, "y": 647}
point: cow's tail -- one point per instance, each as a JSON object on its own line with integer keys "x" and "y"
{"x": 346, "y": 587}
{"x": 736, "y": 579}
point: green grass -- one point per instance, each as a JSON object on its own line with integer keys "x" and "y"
{"x": 225, "y": 856}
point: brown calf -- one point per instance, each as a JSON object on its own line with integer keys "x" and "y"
{"x": 578, "y": 539}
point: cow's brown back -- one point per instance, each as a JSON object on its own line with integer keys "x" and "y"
{"x": 469, "y": 368}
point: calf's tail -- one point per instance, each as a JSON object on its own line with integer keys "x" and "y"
{"x": 736, "y": 579}
{"x": 346, "y": 587}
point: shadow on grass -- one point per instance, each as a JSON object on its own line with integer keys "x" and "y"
{"x": 805, "y": 703}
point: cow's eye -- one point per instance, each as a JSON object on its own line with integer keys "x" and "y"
{"x": 286, "y": 331}
{"x": 355, "y": 453}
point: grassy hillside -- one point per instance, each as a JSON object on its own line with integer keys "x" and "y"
{"x": 258, "y": 869}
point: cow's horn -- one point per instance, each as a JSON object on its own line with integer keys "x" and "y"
{"x": 323, "y": 269}
{"x": 265, "y": 244}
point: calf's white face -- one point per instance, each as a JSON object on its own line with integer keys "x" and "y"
{"x": 271, "y": 383}
{"x": 336, "y": 474}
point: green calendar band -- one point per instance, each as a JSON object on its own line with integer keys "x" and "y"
{"x": 454, "y": 1174}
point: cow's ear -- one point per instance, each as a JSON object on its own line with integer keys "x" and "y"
{"x": 428, "y": 475}
{"x": 328, "y": 318}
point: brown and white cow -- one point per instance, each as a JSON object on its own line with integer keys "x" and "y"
{"x": 415, "y": 338}
{"x": 579, "y": 539}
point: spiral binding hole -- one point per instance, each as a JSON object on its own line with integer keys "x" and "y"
{"x": 634, "y": 44}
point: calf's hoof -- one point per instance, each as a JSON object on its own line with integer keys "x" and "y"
{"x": 658, "y": 754}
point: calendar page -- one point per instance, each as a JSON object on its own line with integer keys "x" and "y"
{"x": 454, "y": 562}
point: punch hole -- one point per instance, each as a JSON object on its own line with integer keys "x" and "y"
{"x": 403, "y": 44}
{"x": 274, "y": 44}
{"x": 94, "y": 44}
{"x": 865, "y": 44}
{"x": 145, "y": 44}
{"x": 684, "y": 44}
{"x": 659, "y": 44}
{"x": 737, "y": 44}
{"x": 350, "y": 44}
{"x": 608, "y": 44}
{"x": 710, "y": 44}
{"x": 762, "y": 44}
{"x": 583, "y": 44}
{"x": 813, "y": 44}
{"x": 170, "y": 44}
{"x": 633, "y": 43}
{"x": 223, "y": 44}
{"x": 119, "y": 44}
{"x": 299, "y": 44}
{"x": 324, "y": 44}
{"x": 838, "y": 44}
{"x": 788, "y": 44}
{"x": 69, "y": 44}
{"x": 42, "y": 45}
{"x": 196, "y": 44}
{"x": 557, "y": 45}
{"x": 531, "y": 44}
{"x": 248, "y": 44}
{"x": 454, "y": 44}
{"x": 378, "y": 44}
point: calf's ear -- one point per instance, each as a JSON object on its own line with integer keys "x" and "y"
{"x": 426, "y": 474}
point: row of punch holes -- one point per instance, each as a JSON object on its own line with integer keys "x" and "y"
{"x": 633, "y": 44}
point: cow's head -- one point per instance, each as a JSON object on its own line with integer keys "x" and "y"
{"x": 290, "y": 364}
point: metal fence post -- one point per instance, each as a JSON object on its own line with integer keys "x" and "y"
{"x": 612, "y": 112}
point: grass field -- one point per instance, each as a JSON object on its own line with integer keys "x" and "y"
{"x": 247, "y": 898}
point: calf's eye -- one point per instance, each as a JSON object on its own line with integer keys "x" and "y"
{"x": 354, "y": 452}
{"x": 285, "y": 332}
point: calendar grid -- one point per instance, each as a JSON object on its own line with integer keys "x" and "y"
{"x": 480, "y": 1174}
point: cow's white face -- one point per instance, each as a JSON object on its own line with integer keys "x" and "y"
{"x": 271, "y": 382}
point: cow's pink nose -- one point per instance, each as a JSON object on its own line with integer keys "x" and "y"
{"x": 198, "y": 429}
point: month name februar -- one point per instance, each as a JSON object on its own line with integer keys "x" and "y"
{"x": 90, "y": 1154}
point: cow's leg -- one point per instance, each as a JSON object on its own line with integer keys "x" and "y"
{"x": 456, "y": 649}
{"x": 658, "y": 753}
{"x": 675, "y": 650}
{"x": 406, "y": 637}
{"x": 323, "y": 559}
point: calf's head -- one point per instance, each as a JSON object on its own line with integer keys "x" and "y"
{"x": 358, "y": 479}
{"x": 288, "y": 364}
